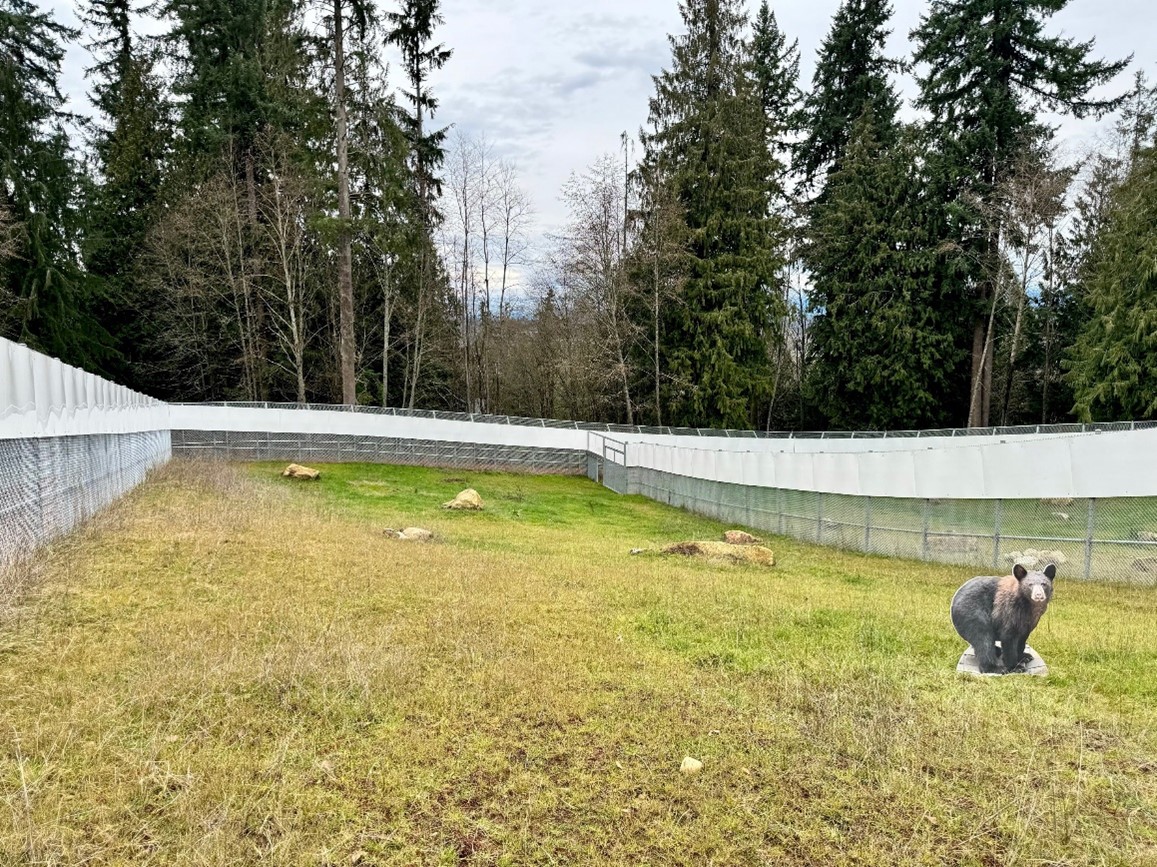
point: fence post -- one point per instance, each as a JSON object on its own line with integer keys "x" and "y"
{"x": 779, "y": 508}
{"x": 867, "y": 524}
{"x": 819, "y": 516}
{"x": 924, "y": 540}
{"x": 999, "y": 511}
{"x": 1090, "y": 526}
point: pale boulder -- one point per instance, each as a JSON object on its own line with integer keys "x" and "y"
{"x": 690, "y": 766}
{"x": 410, "y": 534}
{"x": 740, "y": 537}
{"x": 467, "y": 500}
{"x": 297, "y": 471}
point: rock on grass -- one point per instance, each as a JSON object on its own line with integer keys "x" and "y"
{"x": 297, "y": 471}
{"x": 757, "y": 554}
{"x": 467, "y": 500}
{"x": 690, "y": 766}
{"x": 410, "y": 534}
{"x": 740, "y": 537}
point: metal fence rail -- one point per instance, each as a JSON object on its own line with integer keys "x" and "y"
{"x": 665, "y": 430}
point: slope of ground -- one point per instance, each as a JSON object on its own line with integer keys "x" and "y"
{"x": 232, "y": 668}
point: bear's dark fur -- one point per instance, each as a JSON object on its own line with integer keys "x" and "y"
{"x": 985, "y": 610}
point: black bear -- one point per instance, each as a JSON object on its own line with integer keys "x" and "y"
{"x": 985, "y": 610}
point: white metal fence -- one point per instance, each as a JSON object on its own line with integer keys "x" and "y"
{"x": 70, "y": 444}
{"x": 1076, "y": 499}
{"x": 257, "y": 432}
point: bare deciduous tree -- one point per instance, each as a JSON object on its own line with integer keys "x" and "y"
{"x": 593, "y": 255}
{"x": 484, "y": 242}
{"x": 284, "y": 206}
{"x": 1033, "y": 201}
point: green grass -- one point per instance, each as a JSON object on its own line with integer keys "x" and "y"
{"x": 232, "y": 668}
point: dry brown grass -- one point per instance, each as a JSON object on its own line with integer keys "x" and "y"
{"x": 227, "y": 670}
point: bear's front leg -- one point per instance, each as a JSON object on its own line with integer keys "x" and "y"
{"x": 1014, "y": 657}
{"x": 987, "y": 657}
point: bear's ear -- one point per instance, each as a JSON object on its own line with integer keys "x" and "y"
{"x": 1019, "y": 571}
{"x": 1051, "y": 571}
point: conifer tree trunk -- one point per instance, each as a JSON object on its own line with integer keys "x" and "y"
{"x": 345, "y": 257}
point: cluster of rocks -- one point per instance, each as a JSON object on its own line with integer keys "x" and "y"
{"x": 1031, "y": 558}
{"x": 467, "y": 500}
{"x": 737, "y": 546}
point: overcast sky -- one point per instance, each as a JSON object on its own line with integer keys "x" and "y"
{"x": 553, "y": 83}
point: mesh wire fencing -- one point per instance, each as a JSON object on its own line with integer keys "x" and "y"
{"x": 50, "y": 485}
{"x": 1092, "y": 539}
{"x": 344, "y": 448}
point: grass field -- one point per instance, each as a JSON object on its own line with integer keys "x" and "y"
{"x": 229, "y": 668}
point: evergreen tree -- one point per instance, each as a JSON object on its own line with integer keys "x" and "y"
{"x": 775, "y": 66}
{"x": 708, "y": 128}
{"x": 232, "y": 64}
{"x": 47, "y": 299}
{"x": 411, "y": 29}
{"x": 131, "y": 143}
{"x": 851, "y": 74}
{"x": 359, "y": 13}
{"x": 1113, "y": 366}
{"x": 384, "y": 214}
{"x": 882, "y": 338}
{"x": 987, "y": 68}
{"x": 219, "y": 53}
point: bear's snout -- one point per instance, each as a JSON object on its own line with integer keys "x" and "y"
{"x": 1038, "y": 594}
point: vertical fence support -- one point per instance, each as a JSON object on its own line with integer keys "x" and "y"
{"x": 867, "y": 524}
{"x": 999, "y": 513}
{"x": 1090, "y": 527}
{"x": 819, "y": 517}
{"x": 779, "y": 508}
{"x": 924, "y": 536}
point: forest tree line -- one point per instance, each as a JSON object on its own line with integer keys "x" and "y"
{"x": 259, "y": 209}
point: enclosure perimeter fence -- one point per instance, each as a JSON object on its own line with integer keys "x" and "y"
{"x": 338, "y": 448}
{"x": 49, "y": 485}
{"x": 1090, "y": 537}
{"x": 1099, "y": 539}
{"x": 71, "y": 443}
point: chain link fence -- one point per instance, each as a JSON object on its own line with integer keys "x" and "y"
{"x": 48, "y": 485}
{"x": 1111, "y": 539}
{"x": 339, "y": 448}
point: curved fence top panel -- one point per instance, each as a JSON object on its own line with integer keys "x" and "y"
{"x": 1111, "y": 464}
{"x": 341, "y": 421}
{"x": 1015, "y": 463}
{"x": 714, "y": 438}
{"x": 43, "y": 397}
